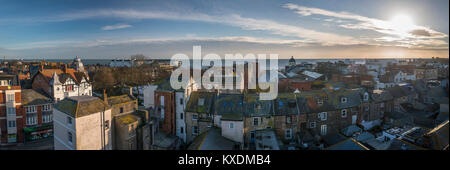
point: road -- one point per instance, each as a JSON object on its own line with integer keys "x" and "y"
{"x": 45, "y": 144}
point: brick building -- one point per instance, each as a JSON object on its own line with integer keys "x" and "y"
{"x": 12, "y": 116}
{"x": 39, "y": 115}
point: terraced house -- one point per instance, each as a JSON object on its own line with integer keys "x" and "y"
{"x": 258, "y": 116}
{"x": 82, "y": 123}
{"x": 199, "y": 114}
{"x": 229, "y": 116}
{"x": 39, "y": 115}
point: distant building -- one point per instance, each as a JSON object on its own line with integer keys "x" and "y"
{"x": 62, "y": 83}
{"x": 82, "y": 123}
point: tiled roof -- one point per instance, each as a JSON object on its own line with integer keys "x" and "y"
{"x": 32, "y": 97}
{"x": 63, "y": 76}
{"x": 113, "y": 100}
{"x": 79, "y": 106}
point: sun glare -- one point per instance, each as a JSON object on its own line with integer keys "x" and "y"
{"x": 402, "y": 23}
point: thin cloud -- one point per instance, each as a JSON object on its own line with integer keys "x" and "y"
{"x": 116, "y": 27}
{"x": 366, "y": 23}
{"x": 234, "y": 20}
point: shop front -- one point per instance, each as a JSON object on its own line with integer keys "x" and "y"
{"x": 38, "y": 132}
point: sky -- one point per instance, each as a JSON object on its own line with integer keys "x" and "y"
{"x": 48, "y": 29}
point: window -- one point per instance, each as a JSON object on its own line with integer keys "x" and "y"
{"x": 344, "y": 113}
{"x": 181, "y": 130}
{"x": 255, "y": 121}
{"x": 181, "y": 101}
{"x": 288, "y": 134}
{"x": 343, "y": 100}
{"x": 201, "y": 101}
{"x": 194, "y": 130}
{"x": 319, "y": 101}
{"x": 121, "y": 110}
{"x": 231, "y": 125}
{"x": 257, "y": 106}
{"x": 10, "y": 98}
{"x": 69, "y": 121}
{"x": 46, "y": 118}
{"x": 323, "y": 129}
{"x": 11, "y": 111}
{"x": 30, "y": 109}
{"x": 47, "y": 107}
{"x": 366, "y": 96}
{"x": 181, "y": 116}
{"x": 312, "y": 124}
{"x": 288, "y": 119}
{"x": 69, "y": 88}
{"x": 107, "y": 124}
{"x": 69, "y": 137}
{"x": 366, "y": 108}
{"x": 31, "y": 119}
{"x": 194, "y": 117}
{"x": 12, "y": 123}
{"x": 323, "y": 116}
{"x": 382, "y": 105}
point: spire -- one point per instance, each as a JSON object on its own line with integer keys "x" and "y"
{"x": 55, "y": 79}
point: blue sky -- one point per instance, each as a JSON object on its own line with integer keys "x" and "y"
{"x": 160, "y": 29}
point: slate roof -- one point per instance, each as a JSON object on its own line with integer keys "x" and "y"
{"x": 79, "y": 106}
{"x": 229, "y": 104}
{"x": 353, "y": 98}
{"x": 381, "y": 95}
{"x": 208, "y": 105}
{"x": 439, "y": 136}
{"x": 307, "y": 101}
{"x": 286, "y": 104}
{"x": 255, "y": 107}
{"x": 14, "y": 79}
{"x": 33, "y": 97}
{"x": 396, "y": 91}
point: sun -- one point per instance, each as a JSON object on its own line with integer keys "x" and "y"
{"x": 402, "y": 23}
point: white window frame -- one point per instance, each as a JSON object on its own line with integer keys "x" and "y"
{"x": 257, "y": 121}
{"x": 31, "y": 109}
{"x": 288, "y": 134}
{"x": 46, "y": 107}
{"x": 323, "y": 116}
{"x": 231, "y": 125}
{"x": 323, "y": 130}
{"x": 194, "y": 117}
{"x": 195, "y": 130}
{"x": 344, "y": 113}
{"x": 32, "y": 119}
{"x": 344, "y": 100}
{"x": 312, "y": 125}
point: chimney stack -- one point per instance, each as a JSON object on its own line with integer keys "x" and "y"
{"x": 105, "y": 96}
{"x": 65, "y": 68}
{"x": 42, "y": 67}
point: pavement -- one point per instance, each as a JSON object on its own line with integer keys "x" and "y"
{"x": 44, "y": 144}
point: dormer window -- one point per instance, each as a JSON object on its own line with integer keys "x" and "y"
{"x": 319, "y": 101}
{"x": 344, "y": 113}
{"x": 343, "y": 100}
{"x": 201, "y": 101}
{"x": 366, "y": 96}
